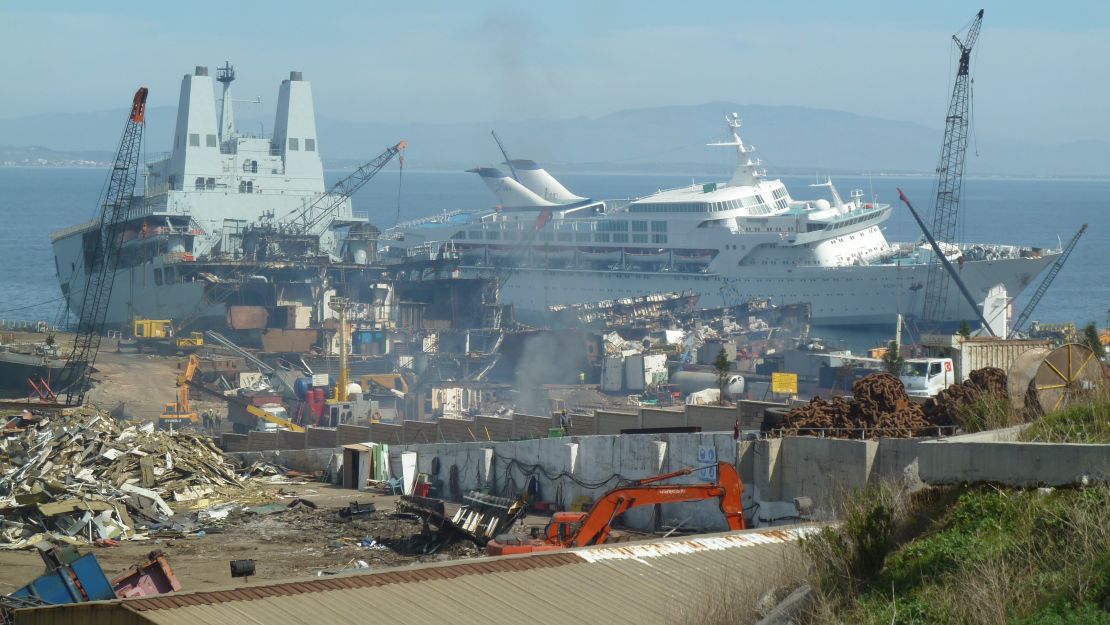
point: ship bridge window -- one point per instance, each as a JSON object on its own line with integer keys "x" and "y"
{"x": 659, "y": 238}
{"x": 294, "y": 144}
{"x": 210, "y": 184}
{"x": 310, "y": 145}
{"x": 639, "y": 226}
{"x": 194, "y": 140}
{"x": 582, "y": 237}
{"x": 210, "y": 140}
{"x": 199, "y": 184}
{"x": 620, "y": 237}
{"x": 511, "y": 235}
{"x": 158, "y": 277}
{"x": 565, "y": 236}
{"x": 658, "y": 226}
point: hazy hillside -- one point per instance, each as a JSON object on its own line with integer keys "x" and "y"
{"x": 670, "y": 138}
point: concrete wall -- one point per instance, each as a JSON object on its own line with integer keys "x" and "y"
{"x": 1014, "y": 464}
{"x": 520, "y": 426}
{"x": 583, "y": 466}
{"x": 307, "y": 460}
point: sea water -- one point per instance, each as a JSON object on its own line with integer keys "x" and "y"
{"x": 1038, "y": 212}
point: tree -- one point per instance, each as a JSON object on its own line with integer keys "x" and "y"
{"x": 892, "y": 359}
{"x": 965, "y": 330}
{"x": 723, "y": 366}
{"x": 1092, "y": 340}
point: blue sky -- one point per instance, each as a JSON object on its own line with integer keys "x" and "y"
{"x": 1040, "y": 72}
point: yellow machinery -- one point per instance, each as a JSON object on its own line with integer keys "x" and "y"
{"x": 389, "y": 381}
{"x": 272, "y": 418}
{"x": 148, "y": 329}
{"x": 160, "y": 333}
{"x": 341, "y": 305}
{"x": 180, "y": 413}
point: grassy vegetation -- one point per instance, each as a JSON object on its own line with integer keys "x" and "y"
{"x": 966, "y": 555}
{"x": 1087, "y": 421}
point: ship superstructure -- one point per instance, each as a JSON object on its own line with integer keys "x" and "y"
{"x": 728, "y": 242}
{"x": 229, "y": 218}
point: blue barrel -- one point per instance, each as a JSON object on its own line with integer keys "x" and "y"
{"x": 301, "y": 386}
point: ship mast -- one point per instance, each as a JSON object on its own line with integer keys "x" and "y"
{"x": 226, "y": 75}
{"x": 746, "y": 173}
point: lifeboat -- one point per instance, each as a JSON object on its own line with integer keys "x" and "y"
{"x": 599, "y": 254}
{"x": 693, "y": 256}
{"x": 552, "y": 254}
{"x": 646, "y": 255}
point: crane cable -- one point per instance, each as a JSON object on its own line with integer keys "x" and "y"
{"x": 400, "y": 183}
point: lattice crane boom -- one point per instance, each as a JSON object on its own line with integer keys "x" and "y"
{"x": 950, "y": 172}
{"x": 306, "y": 219}
{"x": 1042, "y": 288}
{"x": 103, "y": 257}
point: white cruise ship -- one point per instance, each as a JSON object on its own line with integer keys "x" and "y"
{"x": 728, "y": 242}
{"x": 202, "y": 237}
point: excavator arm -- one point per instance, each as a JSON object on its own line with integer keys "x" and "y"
{"x": 595, "y": 526}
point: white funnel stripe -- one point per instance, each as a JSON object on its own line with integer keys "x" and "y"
{"x": 509, "y": 192}
{"x": 543, "y": 184}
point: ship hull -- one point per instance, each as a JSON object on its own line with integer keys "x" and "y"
{"x": 840, "y": 296}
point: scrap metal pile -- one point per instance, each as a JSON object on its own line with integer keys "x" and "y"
{"x": 85, "y": 477}
{"x": 879, "y": 406}
{"x": 981, "y": 383}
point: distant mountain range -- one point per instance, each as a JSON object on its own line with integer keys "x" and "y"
{"x": 790, "y": 139}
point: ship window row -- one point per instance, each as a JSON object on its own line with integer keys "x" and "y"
{"x": 295, "y": 145}
{"x": 581, "y": 230}
{"x": 203, "y": 183}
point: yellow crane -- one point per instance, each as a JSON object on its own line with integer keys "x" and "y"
{"x": 180, "y": 413}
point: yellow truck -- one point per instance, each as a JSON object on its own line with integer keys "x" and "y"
{"x": 158, "y": 336}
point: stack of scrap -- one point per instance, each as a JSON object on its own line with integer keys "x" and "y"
{"x": 981, "y": 384}
{"x": 879, "y": 407}
{"x": 84, "y": 477}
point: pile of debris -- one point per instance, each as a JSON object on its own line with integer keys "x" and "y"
{"x": 879, "y": 407}
{"x": 84, "y": 477}
{"x": 988, "y": 382}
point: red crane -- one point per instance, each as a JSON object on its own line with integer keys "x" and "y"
{"x": 102, "y": 247}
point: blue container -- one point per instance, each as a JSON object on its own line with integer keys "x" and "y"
{"x": 57, "y": 587}
{"x": 301, "y": 386}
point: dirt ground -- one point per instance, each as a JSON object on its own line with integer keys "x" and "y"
{"x": 141, "y": 383}
{"x": 296, "y": 543}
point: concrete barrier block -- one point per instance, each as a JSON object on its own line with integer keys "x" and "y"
{"x": 713, "y": 418}
{"x": 320, "y": 438}
{"x": 613, "y": 422}
{"x": 234, "y": 442}
{"x": 420, "y": 432}
{"x": 259, "y": 441}
{"x": 494, "y": 428}
{"x": 531, "y": 426}
{"x": 287, "y": 439}
{"x": 823, "y": 468}
{"x": 456, "y": 430}
{"x": 350, "y": 434}
{"x": 583, "y": 425}
{"x": 388, "y": 433}
{"x": 1013, "y": 464}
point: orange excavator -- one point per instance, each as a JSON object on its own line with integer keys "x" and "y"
{"x": 578, "y": 529}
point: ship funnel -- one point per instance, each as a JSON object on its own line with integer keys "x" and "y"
{"x": 537, "y": 180}
{"x": 509, "y": 192}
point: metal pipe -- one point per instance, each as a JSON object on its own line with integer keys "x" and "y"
{"x": 947, "y": 265}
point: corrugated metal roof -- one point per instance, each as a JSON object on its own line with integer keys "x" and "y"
{"x": 634, "y": 583}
